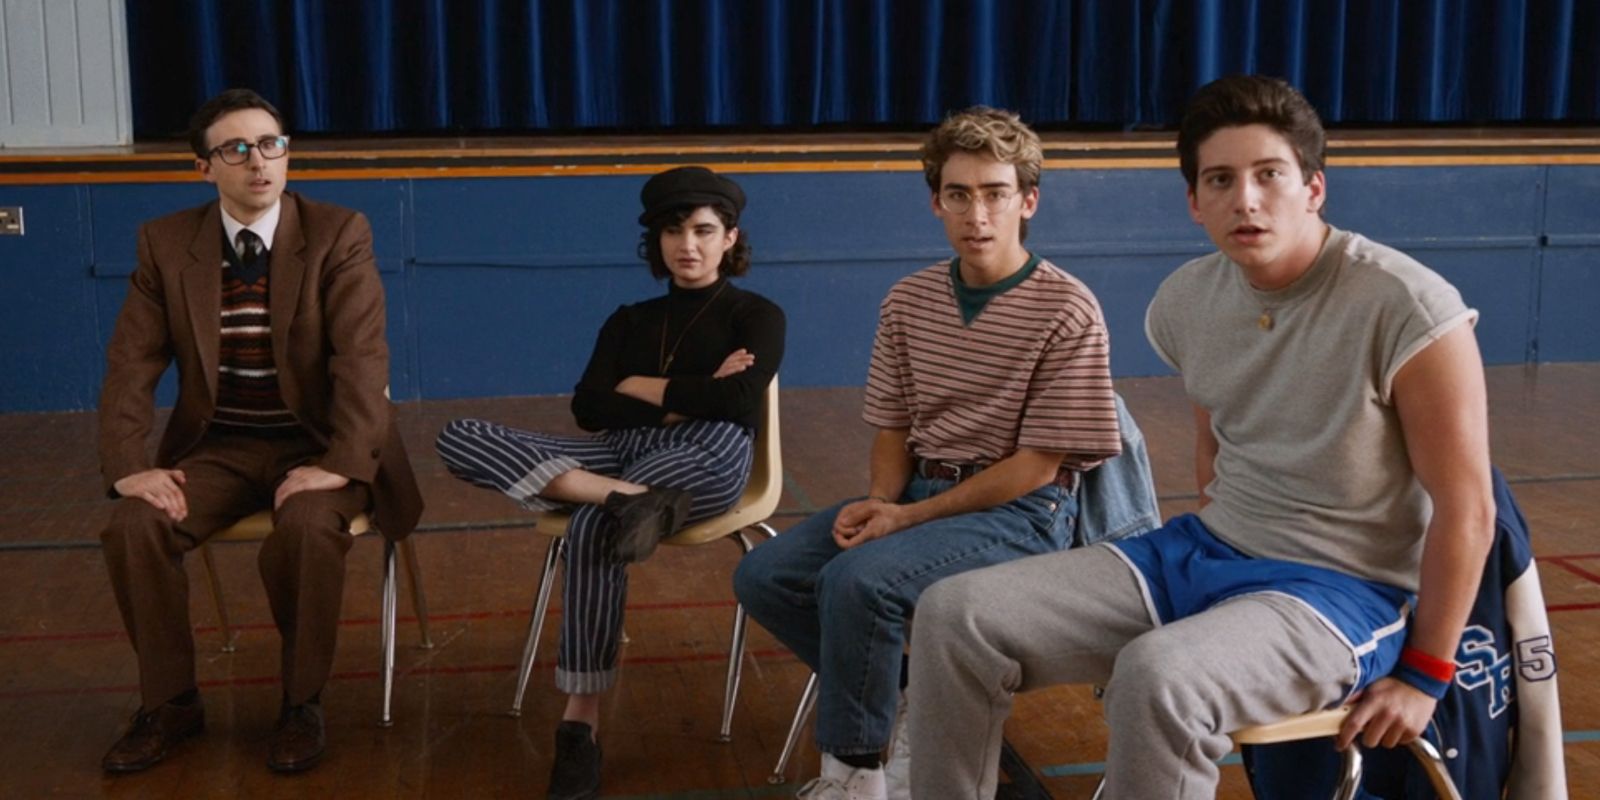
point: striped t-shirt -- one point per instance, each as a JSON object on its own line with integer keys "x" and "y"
{"x": 1031, "y": 370}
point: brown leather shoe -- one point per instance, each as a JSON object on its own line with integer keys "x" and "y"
{"x": 152, "y": 734}
{"x": 299, "y": 741}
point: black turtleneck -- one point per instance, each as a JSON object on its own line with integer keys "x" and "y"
{"x": 711, "y": 322}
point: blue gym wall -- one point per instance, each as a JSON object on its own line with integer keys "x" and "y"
{"x": 496, "y": 286}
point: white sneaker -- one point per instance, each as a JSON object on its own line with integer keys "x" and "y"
{"x": 897, "y": 773}
{"x": 840, "y": 781}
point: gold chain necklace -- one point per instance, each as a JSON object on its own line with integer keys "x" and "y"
{"x": 666, "y": 356}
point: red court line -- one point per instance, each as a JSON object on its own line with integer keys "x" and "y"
{"x": 776, "y": 654}
{"x": 1572, "y": 607}
{"x": 86, "y": 636}
{"x": 1561, "y": 561}
{"x": 1569, "y": 557}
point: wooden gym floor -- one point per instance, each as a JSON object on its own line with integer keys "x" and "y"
{"x": 68, "y": 682}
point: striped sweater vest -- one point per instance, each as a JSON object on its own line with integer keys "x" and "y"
{"x": 247, "y": 380}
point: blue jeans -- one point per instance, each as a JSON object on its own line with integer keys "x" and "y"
{"x": 794, "y": 582}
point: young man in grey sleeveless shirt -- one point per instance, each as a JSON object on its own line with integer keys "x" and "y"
{"x": 1342, "y": 461}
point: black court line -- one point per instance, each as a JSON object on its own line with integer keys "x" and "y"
{"x": 509, "y": 524}
{"x": 421, "y": 530}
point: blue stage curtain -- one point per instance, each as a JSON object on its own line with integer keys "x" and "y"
{"x": 374, "y": 66}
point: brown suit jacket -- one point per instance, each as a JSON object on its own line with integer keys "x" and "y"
{"x": 327, "y": 320}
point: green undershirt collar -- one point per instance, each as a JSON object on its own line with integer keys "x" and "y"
{"x": 972, "y": 300}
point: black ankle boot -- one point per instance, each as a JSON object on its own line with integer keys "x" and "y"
{"x": 576, "y": 772}
{"x": 643, "y": 520}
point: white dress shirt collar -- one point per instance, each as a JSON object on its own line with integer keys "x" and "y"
{"x": 263, "y": 227}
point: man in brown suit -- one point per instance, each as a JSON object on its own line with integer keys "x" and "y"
{"x": 271, "y": 306}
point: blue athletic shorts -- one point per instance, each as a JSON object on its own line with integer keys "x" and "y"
{"x": 1183, "y": 569}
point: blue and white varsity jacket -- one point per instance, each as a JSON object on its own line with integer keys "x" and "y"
{"x": 1498, "y": 727}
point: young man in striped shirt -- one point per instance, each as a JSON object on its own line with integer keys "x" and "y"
{"x": 991, "y": 391}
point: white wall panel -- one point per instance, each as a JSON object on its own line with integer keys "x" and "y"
{"x": 63, "y": 78}
{"x": 5, "y": 72}
{"x": 65, "y": 81}
{"x": 25, "y": 61}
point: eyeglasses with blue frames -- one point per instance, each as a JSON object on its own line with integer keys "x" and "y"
{"x": 238, "y": 152}
{"x": 995, "y": 199}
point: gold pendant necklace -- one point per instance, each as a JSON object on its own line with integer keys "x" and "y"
{"x": 666, "y": 356}
{"x": 1265, "y": 320}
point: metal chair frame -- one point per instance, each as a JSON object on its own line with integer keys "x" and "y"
{"x": 802, "y": 712}
{"x": 258, "y": 526}
{"x": 1318, "y": 724}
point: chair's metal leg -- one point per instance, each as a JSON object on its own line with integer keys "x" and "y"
{"x": 541, "y": 604}
{"x": 216, "y": 598}
{"x": 390, "y": 601}
{"x": 730, "y": 689}
{"x": 764, "y": 528}
{"x": 1433, "y": 764}
{"x": 1350, "y": 781}
{"x": 802, "y": 712}
{"x": 419, "y": 601}
{"x": 1099, "y": 789}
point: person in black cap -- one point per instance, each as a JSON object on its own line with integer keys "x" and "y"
{"x": 673, "y": 396}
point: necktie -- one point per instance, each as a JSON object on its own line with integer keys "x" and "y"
{"x": 249, "y": 247}
{"x": 250, "y": 251}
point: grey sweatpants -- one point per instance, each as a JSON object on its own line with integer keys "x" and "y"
{"x": 1172, "y": 692}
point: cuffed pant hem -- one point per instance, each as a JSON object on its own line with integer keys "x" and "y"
{"x": 526, "y": 491}
{"x": 585, "y": 682}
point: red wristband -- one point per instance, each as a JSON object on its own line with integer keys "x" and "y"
{"x": 1436, "y": 668}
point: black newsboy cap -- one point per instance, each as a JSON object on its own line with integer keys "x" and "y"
{"x": 688, "y": 186}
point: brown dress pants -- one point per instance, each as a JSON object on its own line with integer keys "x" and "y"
{"x": 228, "y": 477}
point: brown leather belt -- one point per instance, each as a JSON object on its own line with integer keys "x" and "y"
{"x": 957, "y": 472}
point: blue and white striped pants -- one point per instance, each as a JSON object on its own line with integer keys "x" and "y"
{"x": 708, "y": 459}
